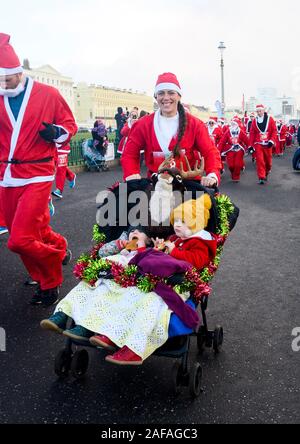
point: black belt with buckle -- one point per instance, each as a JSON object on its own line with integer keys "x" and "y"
{"x": 20, "y": 162}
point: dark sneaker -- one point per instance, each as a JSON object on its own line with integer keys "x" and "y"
{"x": 45, "y": 297}
{"x": 68, "y": 257}
{"x": 57, "y": 193}
{"x": 261, "y": 181}
{"x": 30, "y": 281}
{"x": 57, "y": 322}
{"x": 79, "y": 333}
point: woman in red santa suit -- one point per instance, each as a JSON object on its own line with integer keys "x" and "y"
{"x": 214, "y": 130}
{"x": 263, "y": 135}
{"x": 171, "y": 132}
{"x": 233, "y": 145}
{"x": 125, "y": 131}
{"x": 33, "y": 118}
{"x": 281, "y": 138}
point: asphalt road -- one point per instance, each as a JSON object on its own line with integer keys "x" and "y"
{"x": 255, "y": 379}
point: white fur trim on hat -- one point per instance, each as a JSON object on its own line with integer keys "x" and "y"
{"x": 11, "y": 71}
{"x": 168, "y": 86}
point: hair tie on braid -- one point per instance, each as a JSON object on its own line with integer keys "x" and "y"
{"x": 181, "y": 130}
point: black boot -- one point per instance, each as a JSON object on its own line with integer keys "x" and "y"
{"x": 45, "y": 297}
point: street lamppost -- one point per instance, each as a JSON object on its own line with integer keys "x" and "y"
{"x": 222, "y": 48}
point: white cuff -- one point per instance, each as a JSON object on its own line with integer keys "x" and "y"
{"x": 133, "y": 177}
{"x": 63, "y": 137}
{"x": 213, "y": 176}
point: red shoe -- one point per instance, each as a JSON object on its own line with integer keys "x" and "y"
{"x": 103, "y": 341}
{"x": 125, "y": 356}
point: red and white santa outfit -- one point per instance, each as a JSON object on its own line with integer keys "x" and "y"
{"x": 27, "y": 171}
{"x": 125, "y": 131}
{"x": 63, "y": 172}
{"x": 198, "y": 249}
{"x": 289, "y": 135}
{"x": 158, "y": 136}
{"x": 233, "y": 145}
{"x": 262, "y": 134}
{"x": 215, "y": 131}
{"x": 281, "y": 138}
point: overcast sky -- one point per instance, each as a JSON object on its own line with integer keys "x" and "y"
{"x": 127, "y": 43}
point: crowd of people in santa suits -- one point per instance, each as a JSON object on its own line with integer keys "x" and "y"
{"x": 258, "y": 135}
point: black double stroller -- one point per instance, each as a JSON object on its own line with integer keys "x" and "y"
{"x": 74, "y": 360}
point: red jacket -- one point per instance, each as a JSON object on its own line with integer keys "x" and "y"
{"x": 197, "y": 251}
{"x": 262, "y": 138}
{"x": 216, "y": 135}
{"x": 21, "y": 140}
{"x": 195, "y": 141}
{"x": 228, "y": 141}
{"x": 282, "y": 133}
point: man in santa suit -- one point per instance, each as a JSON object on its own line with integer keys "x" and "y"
{"x": 33, "y": 118}
{"x": 233, "y": 145}
{"x": 281, "y": 138}
{"x": 172, "y": 133}
{"x": 263, "y": 135}
{"x": 249, "y": 123}
{"x": 214, "y": 130}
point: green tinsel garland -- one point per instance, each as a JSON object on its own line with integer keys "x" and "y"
{"x": 98, "y": 237}
{"x": 147, "y": 283}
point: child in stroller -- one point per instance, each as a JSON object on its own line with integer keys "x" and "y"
{"x": 94, "y": 150}
{"x": 79, "y": 361}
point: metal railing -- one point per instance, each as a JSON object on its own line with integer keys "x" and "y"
{"x": 75, "y": 156}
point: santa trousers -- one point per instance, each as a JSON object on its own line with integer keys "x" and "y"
{"x": 263, "y": 161}
{"x": 26, "y": 213}
{"x": 63, "y": 172}
{"x": 2, "y": 221}
{"x": 235, "y": 162}
{"x": 279, "y": 147}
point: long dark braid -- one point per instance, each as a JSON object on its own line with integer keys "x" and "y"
{"x": 181, "y": 130}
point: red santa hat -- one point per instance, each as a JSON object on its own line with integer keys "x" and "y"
{"x": 167, "y": 80}
{"x": 213, "y": 119}
{"x": 258, "y": 107}
{"x": 9, "y": 61}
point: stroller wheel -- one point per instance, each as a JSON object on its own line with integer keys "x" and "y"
{"x": 80, "y": 363}
{"x": 62, "y": 363}
{"x": 177, "y": 377}
{"x": 218, "y": 339}
{"x": 195, "y": 380}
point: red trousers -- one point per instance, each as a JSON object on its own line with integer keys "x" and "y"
{"x": 63, "y": 172}
{"x": 2, "y": 221}
{"x": 279, "y": 147}
{"x": 235, "y": 162}
{"x": 263, "y": 161}
{"x": 26, "y": 213}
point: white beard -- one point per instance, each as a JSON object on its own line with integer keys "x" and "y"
{"x": 162, "y": 202}
{"x": 12, "y": 92}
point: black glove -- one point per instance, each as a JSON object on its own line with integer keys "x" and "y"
{"x": 251, "y": 150}
{"x": 270, "y": 144}
{"x": 49, "y": 133}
